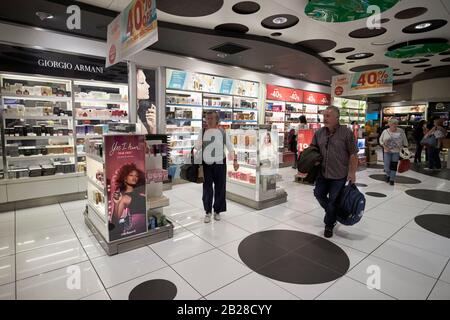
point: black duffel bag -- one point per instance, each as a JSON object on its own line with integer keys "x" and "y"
{"x": 192, "y": 172}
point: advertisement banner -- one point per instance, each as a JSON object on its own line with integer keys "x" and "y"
{"x": 316, "y": 98}
{"x": 304, "y": 139}
{"x": 359, "y": 83}
{"x": 133, "y": 30}
{"x": 125, "y": 181}
{"x": 283, "y": 94}
{"x": 146, "y": 101}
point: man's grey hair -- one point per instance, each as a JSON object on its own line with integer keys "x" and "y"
{"x": 336, "y": 111}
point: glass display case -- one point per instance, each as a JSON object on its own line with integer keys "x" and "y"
{"x": 255, "y": 182}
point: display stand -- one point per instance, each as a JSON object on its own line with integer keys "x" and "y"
{"x": 117, "y": 223}
{"x": 254, "y": 184}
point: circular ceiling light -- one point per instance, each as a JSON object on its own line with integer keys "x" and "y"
{"x": 422, "y": 26}
{"x": 412, "y": 61}
{"x": 280, "y": 20}
{"x": 359, "y": 56}
{"x": 44, "y": 15}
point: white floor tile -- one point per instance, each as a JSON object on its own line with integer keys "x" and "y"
{"x": 424, "y": 240}
{"x": 389, "y": 216}
{"x": 301, "y": 205}
{"x": 7, "y": 270}
{"x": 373, "y": 226}
{"x": 54, "y": 208}
{"x": 413, "y": 258}
{"x": 63, "y": 284}
{"x": 210, "y": 271}
{"x": 392, "y": 205}
{"x": 349, "y": 289}
{"x": 74, "y": 205}
{"x": 8, "y": 291}
{"x": 307, "y": 223}
{"x": 7, "y": 246}
{"x": 357, "y": 239}
{"x": 184, "y": 290}
{"x": 6, "y": 216}
{"x": 280, "y": 213}
{"x": 441, "y": 291}
{"x": 44, "y": 237}
{"x": 75, "y": 215}
{"x": 253, "y": 222}
{"x": 446, "y": 274}
{"x": 178, "y": 207}
{"x": 92, "y": 247}
{"x": 219, "y": 233}
{"x": 182, "y": 246}
{"x": 396, "y": 281}
{"x": 188, "y": 219}
{"x": 126, "y": 266}
{"x": 7, "y": 228}
{"x": 304, "y": 291}
{"x": 251, "y": 287}
{"x": 101, "y": 295}
{"x": 29, "y": 222}
{"x": 441, "y": 208}
{"x": 231, "y": 249}
{"x": 81, "y": 229}
{"x": 52, "y": 257}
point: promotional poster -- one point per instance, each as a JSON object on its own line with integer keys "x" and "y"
{"x": 146, "y": 101}
{"x": 125, "y": 180}
{"x": 304, "y": 139}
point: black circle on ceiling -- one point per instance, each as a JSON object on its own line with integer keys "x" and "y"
{"x": 192, "y": 8}
{"x": 447, "y": 53}
{"x": 435, "y": 24}
{"x": 438, "y": 69}
{"x": 419, "y": 41}
{"x": 415, "y": 60}
{"x": 429, "y": 55}
{"x": 368, "y": 67}
{"x": 232, "y": 27}
{"x": 376, "y": 194}
{"x": 337, "y": 64}
{"x": 430, "y": 195}
{"x": 293, "y": 257}
{"x": 364, "y": 33}
{"x": 350, "y": 61}
{"x": 398, "y": 179}
{"x": 276, "y": 34}
{"x": 445, "y": 60}
{"x": 410, "y": 13}
{"x": 361, "y": 184}
{"x": 395, "y": 69}
{"x": 329, "y": 59}
{"x": 423, "y": 66}
{"x": 156, "y": 289}
{"x": 436, "y": 223}
{"x": 318, "y": 45}
{"x": 384, "y": 20}
{"x": 269, "y": 24}
{"x": 246, "y": 7}
{"x": 355, "y": 56}
{"x": 345, "y": 50}
{"x": 402, "y": 74}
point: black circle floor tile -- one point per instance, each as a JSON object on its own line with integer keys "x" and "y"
{"x": 430, "y": 195}
{"x": 362, "y": 185}
{"x": 376, "y": 194}
{"x": 398, "y": 179}
{"x": 436, "y": 223}
{"x": 293, "y": 257}
{"x": 156, "y": 289}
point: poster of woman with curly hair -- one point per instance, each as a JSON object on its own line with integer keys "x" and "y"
{"x": 125, "y": 178}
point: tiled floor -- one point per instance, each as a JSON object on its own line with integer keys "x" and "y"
{"x": 45, "y": 251}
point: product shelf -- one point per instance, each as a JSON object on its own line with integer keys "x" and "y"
{"x": 36, "y": 98}
{"x": 37, "y": 137}
{"x": 42, "y": 156}
{"x": 37, "y": 117}
{"x": 92, "y": 100}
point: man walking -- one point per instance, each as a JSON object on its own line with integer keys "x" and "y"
{"x": 338, "y": 148}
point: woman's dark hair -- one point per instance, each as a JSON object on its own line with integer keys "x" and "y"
{"x": 303, "y": 119}
{"x": 123, "y": 172}
{"x": 143, "y": 106}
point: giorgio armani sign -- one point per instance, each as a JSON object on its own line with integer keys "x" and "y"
{"x": 33, "y": 61}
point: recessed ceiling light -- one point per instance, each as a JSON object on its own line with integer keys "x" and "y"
{"x": 44, "y": 15}
{"x": 360, "y": 55}
{"x": 279, "y": 20}
{"x": 414, "y": 60}
{"x": 422, "y": 26}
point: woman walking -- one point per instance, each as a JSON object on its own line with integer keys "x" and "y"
{"x": 393, "y": 139}
{"x": 439, "y": 133}
{"x": 419, "y": 133}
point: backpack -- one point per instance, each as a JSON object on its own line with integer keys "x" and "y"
{"x": 307, "y": 163}
{"x": 351, "y": 204}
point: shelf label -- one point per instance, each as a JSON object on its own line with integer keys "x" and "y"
{"x": 226, "y": 86}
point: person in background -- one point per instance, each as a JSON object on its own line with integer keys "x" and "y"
{"x": 303, "y": 123}
{"x": 434, "y": 161}
{"x": 392, "y": 140}
{"x": 303, "y": 126}
{"x": 419, "y": 133}
{"x": 338, "y": 148}
{"x": 430, "y": 125}
{"x": 292, "y": 145}
{"x": 214, "y": 165}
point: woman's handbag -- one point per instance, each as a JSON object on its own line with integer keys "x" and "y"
{"x": 404, "y": 165}
{"x": 429, "y": 141}
{"x": 192, "y": 172}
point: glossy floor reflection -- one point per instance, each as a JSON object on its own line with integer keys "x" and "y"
{"x": 42, "y": 248}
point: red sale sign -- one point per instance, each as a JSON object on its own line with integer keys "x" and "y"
{"x": 304, "y": 139}
{"x": 284, "y": 94}
{"x": 316, "y": 98}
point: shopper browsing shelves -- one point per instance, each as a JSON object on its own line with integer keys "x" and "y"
{"x": 210, "y": 147}
{"x": 338, "y": 149}
{"x": 435, "y": 136}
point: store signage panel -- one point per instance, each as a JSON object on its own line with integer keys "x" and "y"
{"x": 304, "y": 139}
{"x": 316, "y": 98}
{"x": 191, "y": 81}
{"x": 283, "y": 94}
{"x": 133, "y": 30}
{"x": 408, "y": 109}
{"x": 48, "y": 63}
{"x": 126, "y": 185}
{"x": 361, "y": 83}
